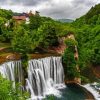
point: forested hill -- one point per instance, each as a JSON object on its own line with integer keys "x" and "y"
{"x": 88, "y": 36}
{"x": 92, "y": 17}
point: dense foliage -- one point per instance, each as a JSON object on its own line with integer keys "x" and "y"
{"x": 88, "y": 37}
{"x": 7, "y": 14}
{"x": 93, "y": 16}
{"x": 69, "y": 59}
{"x": 21, "y": 41}
{"x": 7, "y": 92}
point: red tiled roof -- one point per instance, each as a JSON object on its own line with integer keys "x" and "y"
{"x": 19, "y": 17}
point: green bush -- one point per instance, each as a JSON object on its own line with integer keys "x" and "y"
{"x": 7, "y": 92}
{"x": 70, "y": 64}
{"x": 71, "y": 42}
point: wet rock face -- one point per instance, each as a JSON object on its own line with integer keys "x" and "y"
{"x": 10, "y": 57}
{"x": 2, "y": 59}
{"x": 13, "y": 57}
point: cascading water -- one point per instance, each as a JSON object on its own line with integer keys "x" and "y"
{"x": 12, "y": 71}
{"x": 94, "y": 88}
{"x": 45, "y": 76}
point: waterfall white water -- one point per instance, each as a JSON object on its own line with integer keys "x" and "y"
{"x": 12, "y": 71}
{"x": 45, "y": 76}
{"x": 94, "y": 90}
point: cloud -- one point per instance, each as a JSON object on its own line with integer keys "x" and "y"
{"x": 67, "y": 8}
{"x": 21, "y": 2}
{"x": 84, "y": 2}
{"x": 52, "y": 8}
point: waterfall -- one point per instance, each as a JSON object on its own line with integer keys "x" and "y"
{"x": 45, "y": 76}
{"x": 12, "y": 71}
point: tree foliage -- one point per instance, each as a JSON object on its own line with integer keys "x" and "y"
{"x": 7, "y": 14}
{"x": 7, "y": 92}
{"x": 70, "y": 42}
{"x": 88, "y": 37}
{"x": 70, "y": 62}
{"x": 21, "y": 41}
{"x": 69, "y": 59}
{"x": 35, "y": 22}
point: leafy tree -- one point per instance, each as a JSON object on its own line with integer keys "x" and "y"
{"x": 69, "y": 60}
{"x": 45, "y": 35}
{"x": 35, "y": 22}
{"x": 49, "y": 34}
{"x": 7, "y": 92}
{"x": 2, "y": 21}
{"x": 71, "y": 43}
{"x": 21, "y": 42}
{"x": 6, "y": 13}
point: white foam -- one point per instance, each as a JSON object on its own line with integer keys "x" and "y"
{"x": 93, "y": 91}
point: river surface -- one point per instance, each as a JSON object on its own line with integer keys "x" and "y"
{"x": 71, "y": 92}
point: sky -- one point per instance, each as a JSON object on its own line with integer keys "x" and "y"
{"x": 69, "y": 9}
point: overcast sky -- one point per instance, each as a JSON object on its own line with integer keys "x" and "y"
{"x": 53, "y": 8}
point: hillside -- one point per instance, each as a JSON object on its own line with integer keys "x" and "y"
{"x": 88, "y": 37}
{"x": 92, "y": 17}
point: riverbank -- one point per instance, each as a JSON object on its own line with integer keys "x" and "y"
{"x": 89, "y": 95}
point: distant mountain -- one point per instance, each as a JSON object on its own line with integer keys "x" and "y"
{"x": 65, "y": 20}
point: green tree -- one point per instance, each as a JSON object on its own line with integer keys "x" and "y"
{"x": 49, "y": 34}
{"x": 70, "y": 64}
{"x": 71, "y": 43}
{"x": 69, "y": 60}
{"x": 45, "y": 35}
{"x": 6, "y": 13}
{"x": 7, "y": 92}
{"x": 35, "y": 22}
{"x": 21, "y": 42}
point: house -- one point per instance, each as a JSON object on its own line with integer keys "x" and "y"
{"x": 22, "y": 17}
